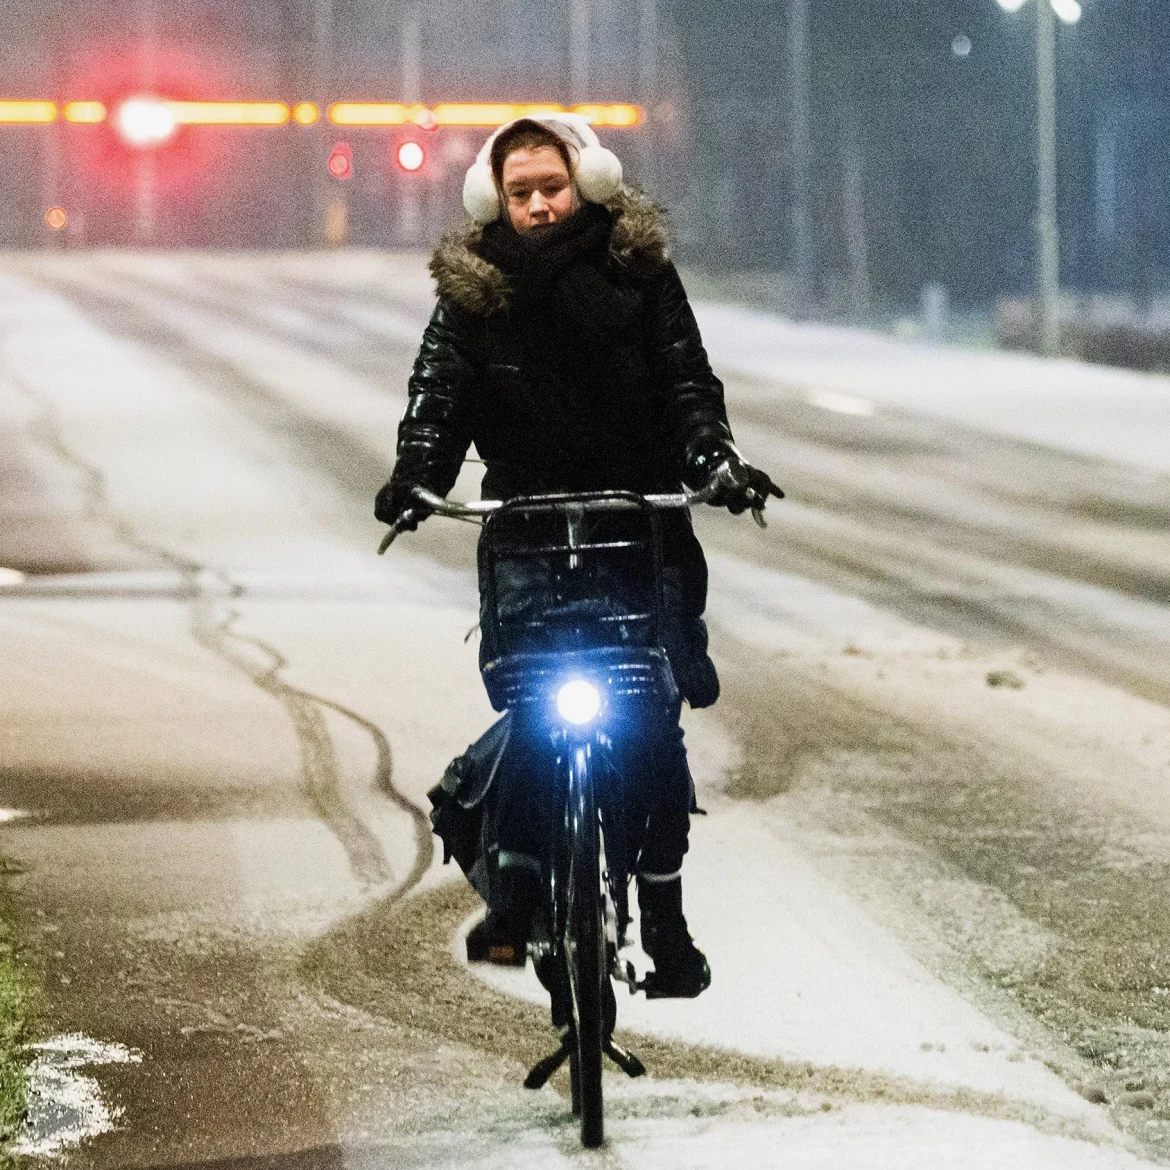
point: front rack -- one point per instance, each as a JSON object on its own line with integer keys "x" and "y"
{"x": 624, "y": 674}
{"x": 573, "y": 582}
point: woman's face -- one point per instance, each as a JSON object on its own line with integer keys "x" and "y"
{"x": 538, "y": 188}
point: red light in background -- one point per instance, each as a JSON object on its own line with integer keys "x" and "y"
{"x": 410, "y": 156}
{"x": 56, "y": 219}
{"x": 145, "y": 122}
{"x": 341, "y": 160}
{"x": 109, "y": 151}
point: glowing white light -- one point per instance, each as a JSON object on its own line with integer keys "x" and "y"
{"x": 144, "y": 122}
{"x": 961, "y": 46}
{"x": 1068, "y": 10}
{"x": 11, "y": 577}
{"x": 1011, "y": 5}
{"x": 578, "y": 701}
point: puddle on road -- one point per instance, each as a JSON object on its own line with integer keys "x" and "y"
{"x": 65, "y": 1104}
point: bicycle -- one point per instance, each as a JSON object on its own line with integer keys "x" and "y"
{"x": 573, "y": 616}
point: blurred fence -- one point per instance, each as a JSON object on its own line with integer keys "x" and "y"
{"x": 1113, "y": 331}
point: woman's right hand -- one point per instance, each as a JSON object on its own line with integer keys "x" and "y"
{"x": 397, "y": 506}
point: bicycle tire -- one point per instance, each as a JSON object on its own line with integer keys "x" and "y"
{"x": 584, "y": 948}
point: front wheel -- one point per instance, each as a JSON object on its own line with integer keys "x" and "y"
{"x": 584, "y": 947}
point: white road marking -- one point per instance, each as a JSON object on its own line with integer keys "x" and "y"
{"x": 841, "y": 403}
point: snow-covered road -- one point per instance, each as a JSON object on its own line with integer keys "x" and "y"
{"x": 933, "y": 904}
{"x": 1104, "y": 413}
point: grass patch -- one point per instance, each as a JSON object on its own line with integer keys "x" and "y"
{"x": 18, "y": 1001}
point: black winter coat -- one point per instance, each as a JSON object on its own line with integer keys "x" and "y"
{"x": 632, "y": 421}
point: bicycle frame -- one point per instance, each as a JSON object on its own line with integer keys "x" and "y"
{"x": 612, "y": 649}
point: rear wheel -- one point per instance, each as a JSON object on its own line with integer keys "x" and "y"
{"x": 584, "y": 948}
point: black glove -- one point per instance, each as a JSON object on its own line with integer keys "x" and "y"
{"x": 396, "y": 505}
{"x": 742, "y": 486}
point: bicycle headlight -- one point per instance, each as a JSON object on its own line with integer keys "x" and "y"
{"x": 578, "y": 702}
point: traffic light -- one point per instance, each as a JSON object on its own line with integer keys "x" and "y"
{"x": 341, "y": 161}
{"x": 410, "y": 156}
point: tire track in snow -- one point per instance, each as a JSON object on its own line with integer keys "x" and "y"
{"x": 321, "y": 777}
{"x": 396, "y": 963}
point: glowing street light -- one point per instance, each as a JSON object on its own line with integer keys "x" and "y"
{"x": 145, "y": 122}
{"x": 1068, "y": 10}
{"x": 1047, "y": 226}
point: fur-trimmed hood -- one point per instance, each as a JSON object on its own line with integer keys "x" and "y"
{"x": 638, "y": 249}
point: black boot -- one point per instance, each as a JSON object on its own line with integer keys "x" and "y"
{"x": 680, "y": 968}
{"x": 502, "y": 937}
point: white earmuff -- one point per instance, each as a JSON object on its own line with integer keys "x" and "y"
{"x": 598, "y": 172}
{"x": 480, "y": 197}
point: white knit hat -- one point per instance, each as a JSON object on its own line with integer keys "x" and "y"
{"x": 598, "y": 172}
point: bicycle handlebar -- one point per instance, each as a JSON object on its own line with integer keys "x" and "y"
{"x": 473, "y": 509}
{"x": 477, "y": 509}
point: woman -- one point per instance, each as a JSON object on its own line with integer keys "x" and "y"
{"x": 564, "y": 348}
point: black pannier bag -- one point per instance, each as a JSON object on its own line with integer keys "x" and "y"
{"x": 462, "y": 802}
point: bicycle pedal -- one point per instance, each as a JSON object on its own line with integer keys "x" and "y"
{"x": 507, "y": 955}
{"x": 655, "y": 990}
{"x": 482, "y": 947}
{"x": 629, "y": 977}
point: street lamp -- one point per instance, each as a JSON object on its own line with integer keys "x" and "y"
{"x": 1047, "y": 227}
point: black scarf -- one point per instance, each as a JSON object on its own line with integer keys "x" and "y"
{"x": 570, "y": 317}
{"x": 558, "y": 280}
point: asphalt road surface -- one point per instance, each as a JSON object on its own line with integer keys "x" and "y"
{"x": 934, "y": 881}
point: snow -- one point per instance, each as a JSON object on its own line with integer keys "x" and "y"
{"x": 802, "y": 970}
{"x": 1091, "y": 410}
{"x": 644, "y": 1133}
{"x": 873, "y": 1136}
{"x": 65, "y": 1104}
{"x": 802, "y": 973}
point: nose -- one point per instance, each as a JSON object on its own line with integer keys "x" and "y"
{"x": 537, "y": 204}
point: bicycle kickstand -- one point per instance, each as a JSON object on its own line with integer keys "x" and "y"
{"x": 626, "y": 1061}
{"x": 540, "y": 1072}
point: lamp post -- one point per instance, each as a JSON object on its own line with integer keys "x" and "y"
{"x": 409, "y": 202}
{"x": 580, "y": 50}
{"x": 324, "y": 69}
{"x": 1046, "y": 223}
{"x": 800, "y": 131}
